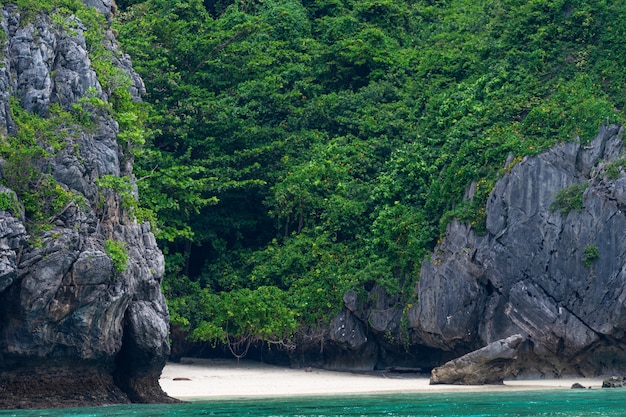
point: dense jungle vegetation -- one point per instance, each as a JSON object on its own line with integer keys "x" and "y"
{"x": 296, "y": 149}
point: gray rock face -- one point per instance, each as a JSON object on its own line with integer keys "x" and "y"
{"x": 614, "y": 382}
{"x": 554, "y": 275}
{"x": 106, "y": 7}
{"x": 12, "y": 239}
{"x": 369, "y": 334}
{"x": 65, "y": 309}
{"x": 489, "y": 365}
{"x": 356, "y": 351}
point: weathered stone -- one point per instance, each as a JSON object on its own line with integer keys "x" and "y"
{"x": 65, "y": 310}
{"x": 350, "y": 300}
{"x": 56, "y": 382}
{"x": 577, "y": 385}
{"x": 348, "y": 331}
{"x": 31, "y": 59}
{"x": 614, "y": 382}
{"x": 106, "y": 7}
{"x": 363, "y": 337}
{"x": 450, "y": 303}
{"x": 489, "y": 365}
{"x": 362, "y": 359}
{"x": 529, "y": 274}
{"x": 73, "y": 75}
{"x": 12, "y": 239}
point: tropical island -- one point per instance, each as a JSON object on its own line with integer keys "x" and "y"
{"x": 345, "y": 185}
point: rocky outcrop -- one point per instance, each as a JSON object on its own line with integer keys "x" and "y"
{"x": 555, "y": 273}
{"x": 489, "y": 365}
{"x": 551, "y": 267}
{"x": 76, "y": 325}
{"x": 369, "y": 334}
{"x": 614, "y": 382}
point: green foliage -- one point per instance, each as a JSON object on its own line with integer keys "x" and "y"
{"x": 569, "y": 198}
{"x": 572, "y": 109}
{"x": 9, "y": 203}
{"x": 591, "y": 253}
{"x": 89, "y": 108}
{"x": 122, "y": 186}
{"x": 29, "y": 9}
{"x": 401, "y": 233}
{"x": 261, "y": 314}
{"x": 615, "y": 168}
{"x": 312, "y": 147}
{"x": 49, "y": 133}
{"x": 472, "y": 211}
{"x": 37, "y": 138}
{"x": 118, "y": 254}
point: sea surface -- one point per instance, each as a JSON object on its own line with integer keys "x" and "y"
{"x": 562, "y": 403}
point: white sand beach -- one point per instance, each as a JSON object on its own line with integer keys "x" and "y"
{"x": 224, "y": 378}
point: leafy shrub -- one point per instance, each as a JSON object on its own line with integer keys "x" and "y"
{"x": 246, "y": 315}
{"x": 40, "y": 194}
{"x": 569, "y": 198}
{"x": 614, "y": 168}
{"x": 9, "y": 203}
{"x": 118, "y": 254}
{"x": 401, "y": 233}
{"x": 591, "y": 253}
{"x": 122, "y": 186}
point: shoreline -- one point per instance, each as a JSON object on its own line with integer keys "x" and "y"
{"x": 196, "y": 379}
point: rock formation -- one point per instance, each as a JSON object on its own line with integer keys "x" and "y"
{"x": 488, "y": 365}
{"x": 76, "y": 325}
{"x": 551, "y": 267}
{"x": 614, "y": 382}
{"x": 553, "y": 272}
{"x": 369, "y": 334}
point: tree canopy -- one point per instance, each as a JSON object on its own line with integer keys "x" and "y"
{"x": 300, "y": 148}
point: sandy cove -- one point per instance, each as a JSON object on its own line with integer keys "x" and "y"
{"x": 225, "y": 378}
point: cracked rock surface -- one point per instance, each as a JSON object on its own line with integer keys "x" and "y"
{"x": 74, "y": 329}
{"x": 488, "y": 365}
{"x": 555, "y": 275}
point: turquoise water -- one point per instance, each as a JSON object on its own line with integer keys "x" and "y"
{"x": 562, "y": 403}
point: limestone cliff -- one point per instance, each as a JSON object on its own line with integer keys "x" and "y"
{"x": 549, "y": 268}
{"x": 77, "y": 325}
